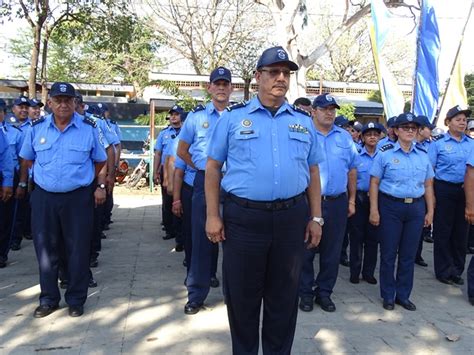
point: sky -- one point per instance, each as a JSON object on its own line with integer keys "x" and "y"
{"x": 451, "y": 19}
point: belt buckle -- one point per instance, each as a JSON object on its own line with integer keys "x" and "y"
{"x": 408, "y": 200}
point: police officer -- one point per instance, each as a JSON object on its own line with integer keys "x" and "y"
{"x": 448, "y": 155}
{"x": 158, "y": 172}
{"x": 391, "y": 137}
{"x": 423, "y": 139}
{"x": 272, "y": 190}
{"x": 303, "y": 103}
{"x": 193, "y": 142}
{"x": 338, "y": 189}
{"x": 400, "y": 184}
{"x": 364, "y": 238}
{"x": 469, "y": 214}
{"x": 34, "y": 110}
{"x": 66, "y": 153}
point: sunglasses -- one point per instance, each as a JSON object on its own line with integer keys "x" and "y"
{"x": 275, "y": 73}
{"x": 409, "y": 128}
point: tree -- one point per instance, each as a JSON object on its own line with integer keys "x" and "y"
{"x": 292, "y": 19}
{"x": 469, "y": 84}
{"x": 347, "y": 110}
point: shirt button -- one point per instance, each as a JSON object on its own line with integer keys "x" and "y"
{"x": 276, "y": 165}
{"x": 276, "y": 182}
{"x": 274, "y": 149}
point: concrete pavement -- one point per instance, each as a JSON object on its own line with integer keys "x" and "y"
{"x": 138, "y": 305}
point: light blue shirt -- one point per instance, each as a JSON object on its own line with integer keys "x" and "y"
{"x": 171, "y": 148}
{"x": 196, "y": 132}
{"x": 14, "y": 138}
{"x": 189, "y": 173}
{"x": 448, "y": 157}
{"x": 401, "y": 174}
{"x": 470, "y": 160}
{"x": 63, "y": 161}
{"x": 364, "y": 164}
{"x": 115, "y": 128}
{"x": 7, "y": 164}
{"x": 105, "y": 132}
{"x": 163, "y": 139}
{"x": 383, "y": 141}
{"x": 267, "y": 158}
{"x": 340, "y": 156}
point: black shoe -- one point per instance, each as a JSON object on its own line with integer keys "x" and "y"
{"x": 103, "y": 235}
{"x": 3, "y": 264}
{"x": 44, "y": 310}
{"x": 354, "y": 279}
{"x": 408, "y": 305}
{"x": 444, "y": 280}
{"x": 179, "y": 248}
{"x": 421, "y": 262}
{"x": 192, "y": 308}
{"x": 471, "y": 300}
{"x": 94, "y": 262}
{"x": 428, "y": 239}
{"x": 388, "y": 305}
{"x": 168, "y": 236}
{"x": 27, "y": 236}
{"x": 92, "y": 283}
{"x": 344, "y": 262}
{"x": 306, "y": 303}
{"x": 325, "y": 303}
{"x": 470, "y": 250}
{"x": 370, "y": 279}
{"x": 458, "y": 280}
{"x": 76, "y": 311}
{"x": 15, "y": 246}
{"x": 63, "y": 284}
{"x": 215, "y": 282}
{"x": 106, "y": 227}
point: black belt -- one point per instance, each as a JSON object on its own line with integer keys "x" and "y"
{"x": 333, "y": 197}
{"x": 457, "y": 184}
{"x": 399, "y": 199}
{"x": 275, "y": 205}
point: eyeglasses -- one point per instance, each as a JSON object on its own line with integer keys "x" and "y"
{"x": 327, "y": 109}
{"x": 275, "y": 73}
{"x": 409, "y": 128}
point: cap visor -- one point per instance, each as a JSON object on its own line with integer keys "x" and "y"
{"x": 220, "y": 78}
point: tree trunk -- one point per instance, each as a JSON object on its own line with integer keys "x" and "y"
{"x": 34, "y": 61}
{"x": 43, "y": 74}
{"x": 247, "y": 82}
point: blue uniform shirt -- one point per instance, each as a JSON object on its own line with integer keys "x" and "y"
{"x": 448, "y": 157}
{"x": 6, "y": 163}
{"x": 108, "y": 135}
{"x": 267, "y": 158}
{"x": 470, "y": 160}
{"x": 340, "y": 156}
{"x": 189, "y": 172}
{"x": 115, "y": 128}
{"x": 14, "y": 138}
{"x": 63, "y": 161}
{"x": 171, "y": 148}
{"x": 385, "y": 140}
{"x": 163, "y": 139}
{"x": 401, "y": 174}
{"x": 196, "y": 132}
{"x": 364, "y": 164}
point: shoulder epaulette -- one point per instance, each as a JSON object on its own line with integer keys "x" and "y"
{"x": 18, "y": 128}
{"x": 90, "y": 121}
{"x": 37, "y": 120}
{"x": 420, "y": 147}
{"x": 386, "y": 147}
{"x": 113, "y": 121}
{"x": 236, "y": 106}
{"x": 438, "y": 137}
{"x": 198, "y": 108}
{"x": 359, "y": 148}
{"x": 300, "y": 110}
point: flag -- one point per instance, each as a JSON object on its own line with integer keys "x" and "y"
{"x": 426, "y": 90}
{"x": 379, "y": 28}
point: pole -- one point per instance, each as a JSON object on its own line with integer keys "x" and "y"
{"x": 152, "y": 143}
{"x": 418, "y": 44}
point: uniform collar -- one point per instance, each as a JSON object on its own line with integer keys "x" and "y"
{"x": 210, "y": 108}
{"x": 75, "y": 120}
{"x": 397, "y": 147}
{"x": 255, "y": 105}
{"x": 364, "y": 151}
{"x": 447, "y": 137}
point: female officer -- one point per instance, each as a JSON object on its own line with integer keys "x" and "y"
{"x": 448, "y": 155}
{"x": 363, "y": 241}
{"x": 400, "y": 176}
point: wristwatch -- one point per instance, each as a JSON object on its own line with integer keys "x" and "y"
{"x": 318, "y": 220}
{"x": 101, "y": 186}
{"x": 23, "y": 185}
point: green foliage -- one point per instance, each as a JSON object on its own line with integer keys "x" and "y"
{"x": 375, "y": 96}
{"x": 160, "y": 119}
{"x": 469, "y": 84}
{"x": 183, "y": 99}
{"x": 347, "y": 110}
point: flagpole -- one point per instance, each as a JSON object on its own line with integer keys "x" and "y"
{"x": 418, "y": 44}
{"x": 455, "y": 60}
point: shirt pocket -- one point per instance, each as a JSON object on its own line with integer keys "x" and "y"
{"x": 76, "y": 154}
{"x": 299, "y": 145}
{"x": 247, "y": 143}
{"x": 44, "y": 154}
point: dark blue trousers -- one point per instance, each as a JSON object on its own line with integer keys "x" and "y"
{"x": 8, "y": 217}
{"x": 470, "y": 278}
{"x": 108, "y": 207}
{"x": 363, "y": 240}
{"x": 335, "y": 220}
{"x": 96, "y": 242}
{"x": 63, "y": 219}
{"x": 204, "y": 253}
{"x": 262, "y": 257}
{"x": 450, "y": 230}
{"x": 399, "y": 232}
{"x": 186, "y": 201}
{"x": 166, "y": 206}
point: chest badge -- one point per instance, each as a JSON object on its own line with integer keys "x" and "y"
{"x": 449, "y": 147}
{"x": 396, "y": 161}
{"x": 42, "y": 140}
{"x": 246, "y": 123}
{"x": 205, "y": 125}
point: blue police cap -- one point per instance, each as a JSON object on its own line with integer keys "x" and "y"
{"x": 423, "y": 121}
{"x": 341, "y": 121}
{"x": 390, "y": 121}
{"x": 103, "y": 107}
{"x": 3, "y": 104}
{"x": 325, "y": 100}
{"x": 177, "y": 109}
{"x": 404, "y": 118}
{"x": 94, "y": 110}
{"x": 275, "y": 55}
{"x": 373, "y": 126}
{"x": 79, "y": 98}
{"x": 453, "y": 111}
{"x": 36, "y": 103}
{"x": 220, "y": 73}
{"x": 22, "y": 100}
{"x": 356, "y": 125}
{"x": 62, "y": 89}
